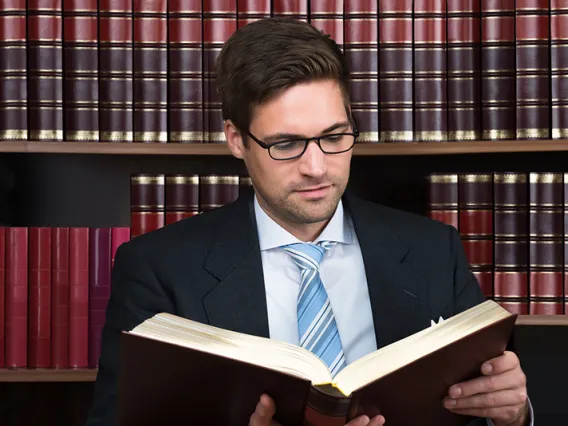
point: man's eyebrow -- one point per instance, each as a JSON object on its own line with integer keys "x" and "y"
{"x": 287, "y": 136}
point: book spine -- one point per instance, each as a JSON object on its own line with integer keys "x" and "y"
{"x": 17, "y": 297}
{"x": 361, "y": 54}
{"x": 2, "y": 296}
{"x": 251, "y": 10}
{"x": 45, "y": 70}
{"x": 13, "y": 65}
{"x": 475, "y": 192}
{"x": 327, "y": 16}
{"x": 430, "y": 102}
{"x": 147, "y": 193}
{"x": 119, "y": 236}
{"x": 464, "y": 84}
{"x": 60, "y": 297}
{"x": 443, "y": 198}
{"x": 219, "y": 22}
{"x": 296, "y": 9}
{"x": 546, "y": 229}
{"x": 532, "y": 23}
{"x": 217, "y": 190}
{"x": 39, "y": 294}
{"x": 99, "y": 288}
{"x": 182, "y": 197}
{"x": 150, "y": 71}
{"x": 396, "y": 64}
{"x": 559, "y": 67}
{"x": 511, "y": 282}
{"x": 81, "y": 79}
{"x": 185, "y": 69}
{"x": 498, "y": 84}
{"x": 115, "y": 71}
{"x": 78, "y": 297}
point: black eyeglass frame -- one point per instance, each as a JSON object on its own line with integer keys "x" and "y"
{"x": 354, "y": 133}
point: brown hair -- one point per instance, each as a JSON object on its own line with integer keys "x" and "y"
{"x": 270, "y": 55}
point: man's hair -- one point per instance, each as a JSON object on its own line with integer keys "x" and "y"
{"x": 267, "y": 56}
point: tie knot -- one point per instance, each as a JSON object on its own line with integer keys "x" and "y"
{"x": 308, "y": 255}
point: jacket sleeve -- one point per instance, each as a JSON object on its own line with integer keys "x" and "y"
{"x": 136, "y": 294}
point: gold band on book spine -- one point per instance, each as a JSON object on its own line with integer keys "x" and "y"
{"x": 546, "y": 178}
{"x": 216, "y": 180}
{"x": 46, "y": 134}
{"x": 559, "y": 133}
{"x": 395, "y": 136}
{"x": 510, "y": 178}
{"x": 151, "y": 136}
{"x": 186, "y": 136}
{"x": 14, "y": 134}
{"x": 463, "y": 135}
{"x": 431, "y": 136}
{"x": 366, "y": 137}
{"x": 117, "y": 136}
{"x": 532, "y": 133}
{"x": 437, "y": 178}
{"x": 495, "y": 134}
{"x": 183, "y": 179}
{"x": 147, "y": 180}
{"x": 82, "y": 135}
{"x": 476, "y": 178}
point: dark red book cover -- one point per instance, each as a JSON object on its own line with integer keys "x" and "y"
{"x": 217, "y": 190}
{"x": 100, "y": 246}
{"x": 443, "y": 198}
{"x": 559, "y": 67}
{"x": 251, "y": 10}
{"x": 182, "y": 197}
{"x": 60, "y": 251}
{"x": 147, "y": 203}
{"x": 16, "y": 297}
{"x": 2, "y": 296}
{"x": 119, "y": 236}
{"x": 78, "y": 297}
{"x": 396, "y": 64}
{"x": 39, "y": 293}
{"x": 13, "y": 66}
{"x": 297, "y": 9}
{"x": 327, "y": 16}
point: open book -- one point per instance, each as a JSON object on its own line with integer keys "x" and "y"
{"x": 174, "y": 367}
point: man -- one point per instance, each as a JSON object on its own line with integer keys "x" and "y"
{"x": 244, "y": 267}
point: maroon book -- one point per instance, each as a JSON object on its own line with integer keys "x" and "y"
{"x": 559, "y": 67}
{"x": 443, "y": 198}
{"x": 217, "y": 190}
{"x": 119, "y": 236}
{"x": 182, "y": 197}
{"x": 297, "y": 9}
{"x": 60, "y": 250}
{"x": 78, "y": 297}
{"x": 147, "y": 193}
{"x": 252, "y": 10}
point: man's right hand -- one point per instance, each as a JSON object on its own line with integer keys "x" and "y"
{"x": 266, "y": 408}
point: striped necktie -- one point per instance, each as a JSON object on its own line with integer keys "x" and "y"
{"x": 316, "y": 324}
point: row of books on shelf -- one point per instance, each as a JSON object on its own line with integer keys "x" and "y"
{"x": 420, "y": 71}
{"x": 514, "y": 229}
{"x": 54, "y": 287}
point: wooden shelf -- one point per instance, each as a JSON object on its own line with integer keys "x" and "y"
{"x": 543, "y": 320}
{"x": 47, "y": 375}
{"x": 361, "y": 149}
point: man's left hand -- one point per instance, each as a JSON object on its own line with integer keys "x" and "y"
{"x": 500, "y": 394}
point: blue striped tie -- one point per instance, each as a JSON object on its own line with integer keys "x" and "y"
{"x": 316, "y": 324}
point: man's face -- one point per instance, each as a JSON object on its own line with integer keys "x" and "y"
{"x": 305, "y": 189}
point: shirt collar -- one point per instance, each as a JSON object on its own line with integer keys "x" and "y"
{"x": 272, "y": 235}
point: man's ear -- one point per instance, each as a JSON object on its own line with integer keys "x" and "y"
{"x": 234, "y": 139}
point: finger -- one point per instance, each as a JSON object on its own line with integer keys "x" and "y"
{"x": 506, "y": 414}
{"x": 377, "y": 421}
{"x": 506, "y": 362}
{"x": 487, "y": 400}
{"x": 359, "y": 421}
{"x": 484, "y": 384}
{"x": 264, "y": 411}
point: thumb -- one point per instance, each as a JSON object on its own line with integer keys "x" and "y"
{"x": 263, "y": 413}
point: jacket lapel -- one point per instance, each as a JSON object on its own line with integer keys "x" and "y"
{"x": 398, "y": 294}
{"x": 238, "y": 301}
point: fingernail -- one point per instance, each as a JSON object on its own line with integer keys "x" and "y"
{"x": 450, "y": 402}
{"x": 455, "y": 391}
{"x": 486, "y": 368}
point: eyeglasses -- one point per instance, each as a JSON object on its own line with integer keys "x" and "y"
{"x": 332, "y": 143}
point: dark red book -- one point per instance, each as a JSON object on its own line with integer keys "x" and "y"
{"x": 13, "y": 66}
{"x": 396, "y": 84}
{"x": 297, "y": 9}
{"x": 100, "y": 247}
{"x": 559, "y": 67}
{"x": 39, "y": 293}
{"x": 16, "y": 284}
{"x": 60, "y": 252}
{"x": 252, "y": 10}
{"x": 443, "y": 198}
{"x": 2, "y": 296}
{"x": 78, "y": 297}
{"x": 119, "y": 236}
{"x": 217, "y": 190}
{"x": 327, "y": 16}
{"x": 147, "y": 203}
{"x": 182, "y": 197}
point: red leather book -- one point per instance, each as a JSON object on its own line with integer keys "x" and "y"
{"x": 16, "y": 284}
{"x": 147, "y": 199}
{"x": 150, "y": 71}
{"x": 115, "y": 71}
{"x": 327, "y": 16}
{"x": 498, "y": 90}
{"x": 361, "y": 53}
{"x": 430, "y": 100}
{"x": 476, "y": 225}
{"x": 219, "y": 22}
{"x": 45, "y": 70}
{"x": 2, "y": 296}
{"x": 99, "y": 288}
{"x": 559, "y": 67}
{"x": 182, "y": 197}
{"x": 546, "y": 243}
{"x": 217, "y": 190}
{"x": 81, "y": 79}
{"x": 396, "y": 89}
{"x": 185, "y": 68}
{"x": 443, "y": 198}
{"x": 39, "y": 293}
{"x": 511, "y": 281}
{"x": 60, "y": 251}
{"x": 78, "y": 297}
{"x": 464, "y": 79}
{"x": 252, "y": 10}
{"x": 13, "y": 65}
{"x": 297, "y": 9}
{"x": 532, "y": 23}
{"x": 119, "y": 236}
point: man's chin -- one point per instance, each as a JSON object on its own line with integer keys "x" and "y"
{"x": 314, "y": 211}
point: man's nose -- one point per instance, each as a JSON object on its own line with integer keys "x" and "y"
{"x": 313, "y": 162}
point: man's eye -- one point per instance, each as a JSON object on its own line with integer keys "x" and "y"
{"x": 284, "y": 146}
{"x": 333, "y": 138}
